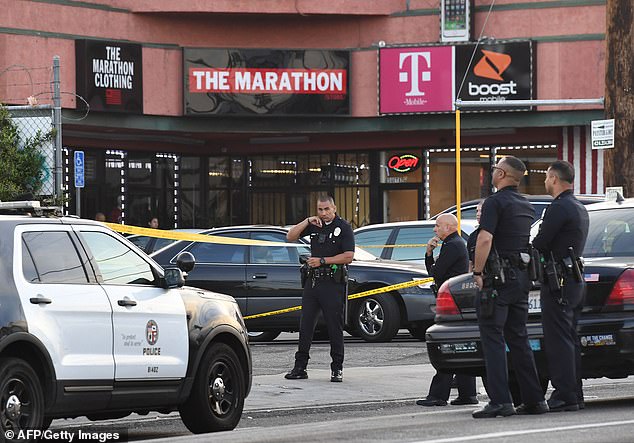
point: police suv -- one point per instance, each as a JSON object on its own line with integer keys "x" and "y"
{"x": 89, "y": 325}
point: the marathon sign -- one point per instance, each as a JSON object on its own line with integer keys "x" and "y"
{"x": 499, "y": 71}
{"x": 266, "y": 82}
{"x": 416, "y": 80}
{"x": 109, "y": 75}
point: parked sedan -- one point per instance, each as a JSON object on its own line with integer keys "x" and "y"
{"x": 265, "y": 278}
{"x": 606, "y": 325}
{"x": 403, "y": 241}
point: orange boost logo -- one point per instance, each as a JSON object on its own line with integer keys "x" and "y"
{"x": 492, "y": 65}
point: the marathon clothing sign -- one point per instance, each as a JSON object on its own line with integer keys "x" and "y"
{"x": 109, "y": 75}
{"x": 499, "y": 71}
{"x": 266, "y": 82}
{"x": 416, "y": 80}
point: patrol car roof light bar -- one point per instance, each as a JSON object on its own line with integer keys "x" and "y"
{"x": 29, "y": 206}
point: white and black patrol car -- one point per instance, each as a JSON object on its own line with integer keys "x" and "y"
{"x": 89, "y": 325}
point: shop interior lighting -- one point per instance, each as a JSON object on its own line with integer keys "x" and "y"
{"x": 277, "y": 171}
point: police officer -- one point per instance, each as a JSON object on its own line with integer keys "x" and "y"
{"x": 452, "y": 261}
{"x": 332, "y": 248}
{"x": 504, "y": 232}
{"x": 565, "y": 225}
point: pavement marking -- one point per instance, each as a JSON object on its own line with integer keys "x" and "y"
{"x": 526, "y": 432}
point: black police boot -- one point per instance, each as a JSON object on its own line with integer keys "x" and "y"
{"x": 336, "y": 375}
{"x": 532, "y": 408}
{"x": 297, "y": 373}
{"x": 492, "y": 410}
{"x": 560, "y": 405}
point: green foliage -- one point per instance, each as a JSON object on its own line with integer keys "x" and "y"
{"x": 21, "y": 162}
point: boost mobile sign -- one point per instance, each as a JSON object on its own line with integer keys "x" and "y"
{"x": 499, "y": 71}
{"x": 109, "y": 75}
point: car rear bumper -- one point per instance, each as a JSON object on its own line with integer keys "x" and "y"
{"x": 607, "y": 347}
{"x": 420, "y": 307}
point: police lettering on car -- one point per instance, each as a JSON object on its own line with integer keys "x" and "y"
{"x": 500, "y": 270}
{"x": 560, "y": 241}
{"x": 324, "y": 279}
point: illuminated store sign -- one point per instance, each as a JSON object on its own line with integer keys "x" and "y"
{"x": 403, "y": 163}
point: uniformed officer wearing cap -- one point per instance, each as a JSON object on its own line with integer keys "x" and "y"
{"x": 332, "y": 248}
{"x": 504, "y": 227}
{"x": 565, "y": 225}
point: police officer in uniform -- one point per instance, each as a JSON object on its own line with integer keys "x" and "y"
{"x": 452, "y": 261}
{"x": 565, "y": 226}
{"x": 502, "y": 313}
{"x": 332, "y": 248}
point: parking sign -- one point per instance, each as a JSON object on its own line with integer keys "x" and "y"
{"x": 79, "y": 169}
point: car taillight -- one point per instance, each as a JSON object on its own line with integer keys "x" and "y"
{"x": 445, "y": 304}
{"x": 623, "y": 290}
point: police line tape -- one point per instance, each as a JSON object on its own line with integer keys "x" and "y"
{"x": 174, "y": 235}
{"x": 350, "y": 297}
{"x": 205, "y": 238}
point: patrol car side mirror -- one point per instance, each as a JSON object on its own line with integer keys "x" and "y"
{"x": 173, "y": 278}
{"x": 185, "y": 261}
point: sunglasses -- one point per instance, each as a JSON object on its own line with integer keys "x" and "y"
{"x": 493, "y": 168}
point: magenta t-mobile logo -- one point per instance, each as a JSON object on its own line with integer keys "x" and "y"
{"x": 412, "y": 75}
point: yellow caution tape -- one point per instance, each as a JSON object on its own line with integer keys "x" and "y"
{"x": 350, "y": 297}
{"x": 204, "y": 238}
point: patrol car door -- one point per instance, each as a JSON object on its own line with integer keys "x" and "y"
{"x": 150, "y": 325}
{"x": 64, "y": 306}
{"x": 273, "y": 281}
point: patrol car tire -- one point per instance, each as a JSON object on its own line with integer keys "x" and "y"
{"x": 377, "y": 318}
{"x": 19, "y": 385}
{"x": 262, "y": 336}
{"x": 217, "y": 397}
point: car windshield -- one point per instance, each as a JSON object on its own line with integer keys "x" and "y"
{"x": 611, "y": 233}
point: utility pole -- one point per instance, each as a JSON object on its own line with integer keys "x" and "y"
{"x": 619, "y": 94}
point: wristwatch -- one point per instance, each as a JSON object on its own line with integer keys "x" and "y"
{"x": 477, "y": 273}
{"x": 322, "y": 261}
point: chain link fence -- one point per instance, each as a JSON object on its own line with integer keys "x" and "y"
{"x": 34, "y": 122}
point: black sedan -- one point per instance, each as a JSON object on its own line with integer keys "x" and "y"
{"x": 606, "y": 325}
{"x": 266, "y": 278}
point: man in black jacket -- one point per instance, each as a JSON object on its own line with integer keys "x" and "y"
{"x": 453, "y": 260}
{"x": 565, "y": 225}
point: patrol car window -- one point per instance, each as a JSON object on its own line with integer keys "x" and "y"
{"x": 611, "y": 233}
{"x": 407, "y": 237}
{"x": 273, "y": 254}
{"x": 220, "y": 253}
{"x": 372, "y": 240}
{"x": 54, "y": 258}
{"x": 141, "y": 241}
{"x": 117, "y": 263}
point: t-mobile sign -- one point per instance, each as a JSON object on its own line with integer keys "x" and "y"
{"x": 416, "y": 80}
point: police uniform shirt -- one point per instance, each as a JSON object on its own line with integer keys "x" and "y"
{"x": 565, "y": 224}
{"x": 508, "y": 216}
{"x": 331, "y": 239}
{"x": 453, "y": 259}
{"x": 471, "y": 243}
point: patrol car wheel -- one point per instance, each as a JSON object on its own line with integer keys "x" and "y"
{"x": 21, "y": 397}
{"x": 377, "y": 318}
{"x": 261, "y": 336}
{"x": 217, "y": 397}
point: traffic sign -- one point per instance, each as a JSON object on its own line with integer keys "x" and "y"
{"x": 79, "y": 169}
{"x": 602, "y": 134}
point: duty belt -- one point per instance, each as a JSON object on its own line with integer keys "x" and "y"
{"x": 320, "y": 273}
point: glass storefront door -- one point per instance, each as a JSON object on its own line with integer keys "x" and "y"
{"x": 400, "y": 205}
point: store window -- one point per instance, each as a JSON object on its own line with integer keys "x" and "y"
{"x": 401, "y": 178}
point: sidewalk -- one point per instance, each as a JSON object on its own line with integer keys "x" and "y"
{"x": 359, "y": 385}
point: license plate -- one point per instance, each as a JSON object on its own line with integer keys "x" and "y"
{"x": 534, "y": 302}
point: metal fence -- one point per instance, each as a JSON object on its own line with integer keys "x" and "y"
{"x": 34, "y": 121}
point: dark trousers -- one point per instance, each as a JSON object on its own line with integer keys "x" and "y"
{"x": 561, "y": 342}
{"x": 507, "y": 327}
{"x": 330, "y": 298}
{"x": 441, "y": 386}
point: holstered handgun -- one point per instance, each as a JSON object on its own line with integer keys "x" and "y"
{"x": 572, "y": 263}
{"x": 554, "y": 280}
{"x": 487, "y": 295}
{"x": 304, "y": 270}
{"x": 493, "y": 269}
{"x": 535, "y": 270}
